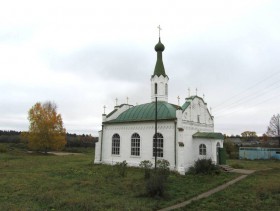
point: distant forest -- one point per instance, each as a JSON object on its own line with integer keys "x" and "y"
{"x": 73, "y": 140}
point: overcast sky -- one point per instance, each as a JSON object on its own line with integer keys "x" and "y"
{"x": 84, "y": 54}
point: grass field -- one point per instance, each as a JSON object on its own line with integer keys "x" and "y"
{"x": 259, "y": 191}
{"x": 49, "y": 182}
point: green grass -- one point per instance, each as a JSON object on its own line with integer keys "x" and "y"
{"x": 259, "y": 191}
{"x": 49, "y": 182}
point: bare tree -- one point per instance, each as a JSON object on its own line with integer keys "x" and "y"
{"x": 273, "y": 129}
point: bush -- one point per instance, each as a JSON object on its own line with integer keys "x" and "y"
{"x": 204, "y": 166}
{"x": 121, "y": 168}
{"x": 163, "y": 167}
{"x": 156, "y": 183}
{"x": 147, "y": 166}
{"x": 231, "y": 149}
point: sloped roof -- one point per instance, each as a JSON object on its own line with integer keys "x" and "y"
{"x": 208, "y": 135}
{"x": 185, "y": 105}
{"x": 146, "y": 112}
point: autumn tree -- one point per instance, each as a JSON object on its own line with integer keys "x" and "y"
{"x": 46, "y": 130}
{"x": 249, "y": 134}
{"x": 273, "y": 130}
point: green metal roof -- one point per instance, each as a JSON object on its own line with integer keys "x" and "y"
{"x": 159, "y": 68}
{"x": 185, "y": 105}
{"x": 146, "y": 112}
{"x": 208, "y": 135}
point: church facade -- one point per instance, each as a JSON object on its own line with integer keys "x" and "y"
{"x": 185, "y": 133}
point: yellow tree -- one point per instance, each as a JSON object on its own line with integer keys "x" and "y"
{"x": 46, "y": 130}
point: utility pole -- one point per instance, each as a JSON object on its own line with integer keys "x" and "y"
{"x": 156, "y": 136}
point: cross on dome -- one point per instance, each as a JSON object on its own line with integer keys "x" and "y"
{"x": 159, "y": 29}
{"x": 178, "y": 100}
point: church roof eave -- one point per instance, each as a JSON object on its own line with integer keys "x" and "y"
{"x": 146, "y": 112}
{"x": 139, "y": 121}
{"x": 206, "y": 135}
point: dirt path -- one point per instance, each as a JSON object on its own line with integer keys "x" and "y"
{"x": 212, "y": 191}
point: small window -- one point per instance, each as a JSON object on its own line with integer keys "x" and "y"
{"x": 166, "y": 89}
{"x": 198, "y": 118}
{"x": 135, "y": 144}
{"x": 156, "y": 88}
{"x": 116, "y": 144}
{"x": 202, "y": 149}
{"x": 158, "y": 145}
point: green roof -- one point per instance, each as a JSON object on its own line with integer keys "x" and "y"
{"x": 159, "y": 68}
{"x": 185, "y": 105}
{"x": 208, "y": 135}
{"x": 146, "y": 112}
{"x": 195, "y": 96}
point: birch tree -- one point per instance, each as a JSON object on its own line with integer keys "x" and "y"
{"x": 273, "y": 129}
{"x": 46, "y": 130}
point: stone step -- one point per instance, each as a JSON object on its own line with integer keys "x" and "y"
{"x": 226, "y": 168}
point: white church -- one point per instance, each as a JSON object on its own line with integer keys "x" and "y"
{"x": 184, "y": 133}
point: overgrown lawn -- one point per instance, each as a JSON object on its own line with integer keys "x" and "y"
{"x": 259, "y": 191}
{"x": 72, "y": 182}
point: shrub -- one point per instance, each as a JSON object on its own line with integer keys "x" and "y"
{"x": 231, "y": 149}
{"x": 147, "y": 166}
{"x": 204, "y": 166}
{"x": 121, "y": 168}
{"x": 155, "y": 185}
{"x": 163, "y": 167}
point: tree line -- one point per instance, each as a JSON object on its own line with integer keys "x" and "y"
{"x": 72, "y": 140}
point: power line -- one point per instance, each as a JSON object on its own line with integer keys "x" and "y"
{"x": 251, "y": 97}
{"x": 246, "y": 90}
{"x": 237, "y": 110}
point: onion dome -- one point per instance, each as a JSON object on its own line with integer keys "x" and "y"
{"x": 159, "y": 46}
{"x": 159, "y": 68}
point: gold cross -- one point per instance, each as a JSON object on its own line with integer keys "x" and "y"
{"x": 104, "y": 109}
{"x": 116, "y": 101}
{"x": 127, "y": 100}
{"x": 189, "y": 92}
{"x": 178, "y": 100}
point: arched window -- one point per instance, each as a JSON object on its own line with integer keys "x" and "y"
{"x": 156, "y": 88}
{"x": 166, "y": 89}
{"x": 116, "y": 144}
{"x": 218, "y": 145}
{"x": 202, "y": 149}
{"x": 158, "y": 145}
{"x": 135, "y": 144}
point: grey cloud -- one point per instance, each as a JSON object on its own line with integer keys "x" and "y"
{"x": 107, "y": 62}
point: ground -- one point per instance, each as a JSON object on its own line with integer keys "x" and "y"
{"x": 50, "y": 182}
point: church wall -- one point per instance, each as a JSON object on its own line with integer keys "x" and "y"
{"x": 191, "y": 128}
{"x": 211, "y": 148}
{"x": 146, "y": 132}
{"x": 97, "y": 155}
{"x": 197, "y": 111}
